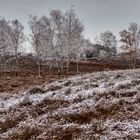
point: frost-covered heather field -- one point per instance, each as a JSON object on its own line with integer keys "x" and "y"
{"x": 103, "y": 105}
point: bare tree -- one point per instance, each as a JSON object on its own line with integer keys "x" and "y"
{"x": 57, "y": 37}
{"x": 131, "y": 40}
{"x": 35, "y": 39}
{"x": 73, "y": 34}
{"x": 17, "y": 37}
{"x": 41, "y": 38}
{"x": 57, "y": 20}
{"x": 108, "y": 40}
{"x": 4, "y": 42}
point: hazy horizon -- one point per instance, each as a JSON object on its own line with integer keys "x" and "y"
{"x": 96, "y": 15}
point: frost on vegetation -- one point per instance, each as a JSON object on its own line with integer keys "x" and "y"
{"x": 102, "y": 105}
{"x": 122, "y": 84}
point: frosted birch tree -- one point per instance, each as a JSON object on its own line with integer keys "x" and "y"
{"x": 57, "y": 37}
{"x": 41, "y": 39}
{"x": 17, "y": 37}
{"x": 60, "y": 49}
{"x": 73, "y": 33}
{"x": 36, "y": 40}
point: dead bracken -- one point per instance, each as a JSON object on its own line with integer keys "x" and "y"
{"x": 74, "y": 109}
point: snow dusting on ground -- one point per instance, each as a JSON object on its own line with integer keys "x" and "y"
{"x": 101, "y": 105}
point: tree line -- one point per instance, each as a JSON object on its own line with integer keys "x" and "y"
{"x": 59, "y": 38}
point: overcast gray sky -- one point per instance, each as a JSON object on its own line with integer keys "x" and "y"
{"x": 96, "y": 15}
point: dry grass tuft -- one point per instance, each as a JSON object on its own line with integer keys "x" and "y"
{"x": 27, "y": 133}
{"x": 60, "y": 133}
{"x": 67, "y": 83}
{"x": 25, "y": 102}
{"x": 11, "y": 122}
{"x": 52, "y": 104}
{"x": 109, "y": 110}
{"x": 54, "y": 88}
{"x": 128, "y": 94}
{"x": 68, "y": 91}
{"x": 37, "y": 90}
{"x": 83, "y": 118}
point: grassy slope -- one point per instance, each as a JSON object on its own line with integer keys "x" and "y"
{"x": 101, "y": 105}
